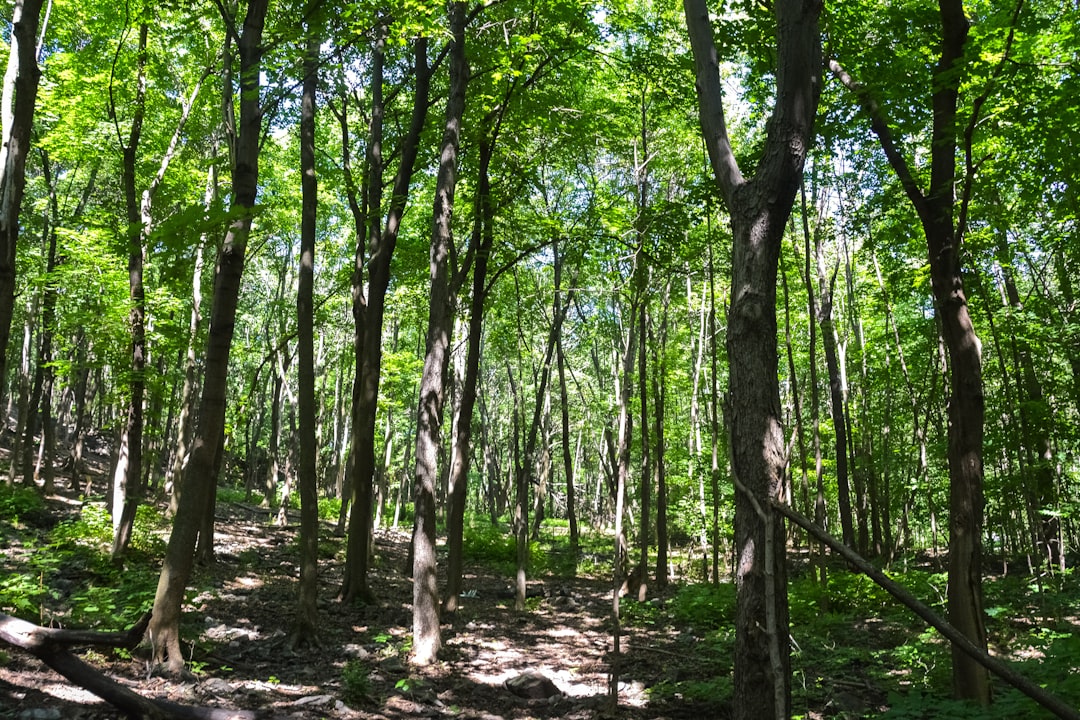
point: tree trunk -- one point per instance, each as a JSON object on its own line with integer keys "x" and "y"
{"x": 659, "y": 385}
{"x": 306, "y": 620}
{"x": 759, "y": 209}
{"x": 564, "y": 411}
{"x": 837, "y": 400}
{"x": 199, "y": 480}
{"x": 19, "y": 95}
{"x": 368, "y": 312}
{"x": 127, "y": 481}
{"x": 936, "y": 208}
{"x": 427, "y": 640}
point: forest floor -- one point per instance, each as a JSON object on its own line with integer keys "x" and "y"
{"x": 849, "y": 660}
{"x": 237, "y": 625}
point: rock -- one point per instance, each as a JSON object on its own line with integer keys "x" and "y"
{"x": 40, "y": 714}
{"x": 355, "y": 651}
{"x": 532, "y": 686}
{"x": 216, "y": 686}
{"x": 314, "y": 700}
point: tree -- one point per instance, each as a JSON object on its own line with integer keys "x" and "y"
{"x": 759, "y": 207}
{"x": 944, "y": 223}
{"x": 426, "y": 636}
{"x": 199, "y": 478}
{"x": 369, "y": 310}
{"x": 305, "y": 623}
{"x": 17, "y": 118}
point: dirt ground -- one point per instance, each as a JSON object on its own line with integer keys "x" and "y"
{"x": 238, "y": 625}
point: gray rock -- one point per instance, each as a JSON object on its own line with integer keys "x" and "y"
{"x": 532, "y": 685}
{"x": 40, "y": 714}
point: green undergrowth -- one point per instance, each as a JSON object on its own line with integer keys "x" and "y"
{"x": 66, "y": 574}
{"x": 859, "y": 653}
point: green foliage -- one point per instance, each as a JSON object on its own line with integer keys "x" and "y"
{"x": 356, "y": 683}
{"x": 489, "y": 545}
{"x": 329, "y": 508}
{"x": 704, "y": 605}
{"x": 18, "y": 501}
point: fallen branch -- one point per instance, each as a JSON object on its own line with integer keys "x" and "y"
{"x": 997, "y": 667}
{"x": 52, "y": 647}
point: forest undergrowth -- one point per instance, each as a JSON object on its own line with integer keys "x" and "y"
{"x": 856, "y": 653}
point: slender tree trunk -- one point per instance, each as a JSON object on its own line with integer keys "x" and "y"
{"x": 427, "y": 640}
{"x": 199, "y": 479}
{"x": 127, "y": 481}
{"x": 19, "y": 96}
{"x": 306, "y": 619}
{"x": 659, "y": 384}
{"x": 837, "y": 403}
{"x": 369, "y": 311}
{"x": 564, "y": 412}
{"x": 759, "y": 209}
{"x": 187, "y": 394}
{"x": 943, "y": 225}
{"x": 45, "y": 353}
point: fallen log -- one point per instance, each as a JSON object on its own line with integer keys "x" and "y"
{"x": 1046, "y": 699}
{"x": 53, "y": 647}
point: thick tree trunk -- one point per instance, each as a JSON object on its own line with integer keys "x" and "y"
{"x": 759, "y": 209}
{"x": 19, "y": 95}
{"x": 199, "y": 478}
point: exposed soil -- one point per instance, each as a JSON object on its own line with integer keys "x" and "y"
{"x": 238, "y": 625}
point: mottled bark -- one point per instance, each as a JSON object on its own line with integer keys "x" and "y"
{"x": 306, "y": 619}
{"x": 759, "y": 209}
{"x": 19, "y": 95}
{"x": 427, "y": 639}
{"x": 199, "y": 478}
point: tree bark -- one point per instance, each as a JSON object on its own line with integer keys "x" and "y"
{"x": 306, "y": 619}
{"x": 199, "y": 479}
{"x": 368, "y": 312}
{"x": 127, "y": 480}
{"x": 483, "y": 240}
{"x": 19, "y": 95}
{"x": 936, "y": 208}
{"x": 759, "y": 209}
{"x": 427, "y": 640}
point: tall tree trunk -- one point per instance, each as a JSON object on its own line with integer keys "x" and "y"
{"x": 564, "y": 411}
{"x": 19, "y": 95}
{"x": 1035, "y": 417}
{"x": 837, "y": 401}
{"x": 368, "y": 312}
{"x": 659, "y": 385}
{"x": 427, "y": 640}
{"x": 759, "y": 209}
{"x": 306, "y": 620}
{"x": 199, "y": 479}
{"x": 944, "y": 232}
{"x": 127, "y": 480}
{"x": 45, "y": 353}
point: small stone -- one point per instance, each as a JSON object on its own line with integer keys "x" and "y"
{"x": 314, "y": 700}
{"x": 532, "y": 685}
{"x": 355, "y": 651}
{"x": 216, "y": 686}
{"x": 39, "y": 714}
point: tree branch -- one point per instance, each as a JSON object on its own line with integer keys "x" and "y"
{"x": 958, "y": 639}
